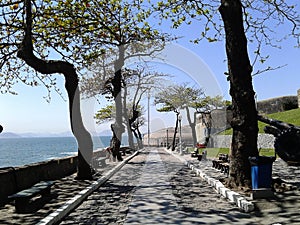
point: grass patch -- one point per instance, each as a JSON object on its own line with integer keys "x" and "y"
{"x": 290, "y": 116}
{"x": 267, "y": 152}
{"x": 213, "y": 152}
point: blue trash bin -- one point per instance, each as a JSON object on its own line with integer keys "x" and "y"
{"x": 261, "y": 171}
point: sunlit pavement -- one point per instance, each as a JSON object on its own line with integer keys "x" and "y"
{"x": 156, "y": 187}
{"x": 154, "y": 203}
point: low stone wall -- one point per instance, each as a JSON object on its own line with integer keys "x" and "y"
{"x": 224, "y": 141}
{"x": 279, "y": 104}
{"x": 14, "y": 179}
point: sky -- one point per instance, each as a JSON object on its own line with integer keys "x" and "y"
{"x": 203, "y": 64}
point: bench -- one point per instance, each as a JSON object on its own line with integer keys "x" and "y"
{"x": 99, "y": 162}
{"x": 224, "y": 167}
{"x": 22, "y": 198}
{"x": 222, "y": 163}
{"x": 195, "y": 153}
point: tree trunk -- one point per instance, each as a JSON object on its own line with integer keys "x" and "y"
{"x": 129, "y": 133}
{"x": 206, "y": 117}
{"x": 244, "y": 123}
{"x": 135, "y": 115}
{"x": 175, "y": 132}
{"x": 118, "y": 128}
{"x": 84, "y": 140}
{"x": 115, "y": 143}
{"x": 140, "y": 139}
{"x": 126, "y": 118}
{"x": 192, "y": 125}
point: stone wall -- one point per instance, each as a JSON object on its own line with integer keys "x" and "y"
{"x": 279, "y": 104}
{"x": 224, "y": 141}
{"x": 298, "y": 98}
{"x": 14, "y": 179}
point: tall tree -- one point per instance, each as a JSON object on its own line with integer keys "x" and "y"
{"x": 78, "y": 32}
{"x": 136, "y": 83}
{"x": 256, "y": 15}
{"x": 25, "y": 51}
{"x": 119, "y": 28}
{"x": 244, "y": 122}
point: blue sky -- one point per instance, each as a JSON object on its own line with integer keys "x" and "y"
{"x": 29, "y": 112}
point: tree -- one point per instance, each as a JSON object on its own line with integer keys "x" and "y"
{"x": 79, "y": 32}
{"x": 136, "y": 131}
{"x": 205, "y": 107}
{"x": 118, "y": 28}
{"x": 20, "y": 43}
{"x": 244, "y": 122}
{"x": 178, "y": 97}
{"x": 135, "y": 83}
{"x": 140, "y": 83}
{"x": 234, "y": 14}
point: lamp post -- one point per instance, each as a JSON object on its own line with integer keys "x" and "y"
{"x": 180, "y": 137}
{"x": 148, "y": 118}
{"x": 167, "y": 139}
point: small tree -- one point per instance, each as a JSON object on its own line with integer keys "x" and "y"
{"x": 205, "y": 107}
{"x": 178, "y": 97}
{"x": 136, "y": 83}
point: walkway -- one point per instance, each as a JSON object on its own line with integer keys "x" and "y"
{"x": 165, "y": 192}
{"x": 157, "y": 188}
{"x": 153, "y": 201}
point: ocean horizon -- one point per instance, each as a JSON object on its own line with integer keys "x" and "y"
{"x": 27, "y": 150}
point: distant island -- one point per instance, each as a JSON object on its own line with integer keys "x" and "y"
{"x": 9, "y": 135}
{"x": 32, "y": 135}
{"x": 37, "y": 135}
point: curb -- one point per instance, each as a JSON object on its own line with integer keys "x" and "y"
{"x": 70, "y": 205}
{"x": 232, "y": 196}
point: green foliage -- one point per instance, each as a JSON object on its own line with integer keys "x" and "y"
{"x": 208, "y": 103}
{"x": 178, "y": 97}
{"x": 105, "y": 114}
{"x": 72, "y": 30}
{"x": 88, "y": 29}
{"x": 262, "y": 20}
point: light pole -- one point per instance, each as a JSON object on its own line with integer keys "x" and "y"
{"x": 148, "y": 118}
{"x": 167, "y": 139}
{"x": 180, "y": 137}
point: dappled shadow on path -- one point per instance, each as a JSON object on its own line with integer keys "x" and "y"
{"x": 169, "y": 193}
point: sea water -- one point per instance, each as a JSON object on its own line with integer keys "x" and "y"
{"x": 22, "y": 151}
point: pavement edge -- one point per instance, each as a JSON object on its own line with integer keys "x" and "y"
{"x": 232, "y": 196}
{"x": 70, "y": 205}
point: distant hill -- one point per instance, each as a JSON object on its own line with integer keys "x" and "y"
{"x": 34, "y": 135}
{"x": 9, "y": 135}
{"x": 105, "y": 133}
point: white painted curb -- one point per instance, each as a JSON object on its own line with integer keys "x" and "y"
{"x": 232, "y": 196}
{"x": 70, "y": 205}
